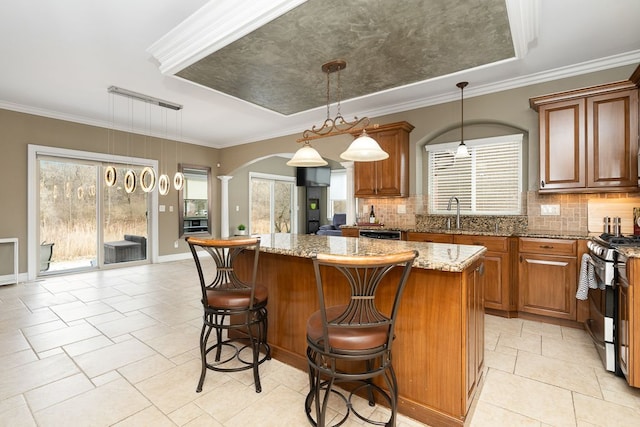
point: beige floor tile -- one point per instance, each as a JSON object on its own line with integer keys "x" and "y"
{"x": 533, "y": 399}
{"x": 146, "y": 368}
{"x": 503, "y": 325}
{"x": 568, "y": 375}
{"x": 112, "y": 357}
{"x": 571, "y": 351}
{"x": 10, "y": 361}
{"x": 604, "y": 414}
{"x": 58, "y": 391}
{"x": 37, "y": 301}
{"x": 525, "y": 342}
{"x": 12, "y": 342}
{"x": 80, "y": 310}
{"x": 61, "y": 337}
{"x": 14, "y": 412}
{"x": 178, "y": 341}
{"x": 150, "y": 416}
{"x": 43, "y": 327}
{"x": 85, "y": 346}
{"x": 539, "y": 328}
{"x": 102, "y": 406}
{"x": 177, "y": 387}
{"x": 229, "y": 399}
{"x": 187, "y": 413}
{"x": 281, "y": 407}
{"x": 22, "y": 318}
{"x": 203, "y": 420}
{"x": 127, "y": 324}
{"x": 488, "y": 415}
{"x": 502, "y": 361}
{"x": 35, "y": 374}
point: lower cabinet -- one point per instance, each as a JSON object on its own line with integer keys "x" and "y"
{"x": 350, "y": 232}
{"x": 548, "y": 277}
{"x": 418, "y": 236}
{"x": 629, "y": 324}
{"x": 474, "y": 329}
{"x": 498, "y": 284}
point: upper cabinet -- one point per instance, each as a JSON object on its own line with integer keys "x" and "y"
{"x": 389, "y": 177}
{"x": 589, "y": 139}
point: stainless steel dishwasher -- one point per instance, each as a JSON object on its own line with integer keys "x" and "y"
{"x": 381, "y": 234}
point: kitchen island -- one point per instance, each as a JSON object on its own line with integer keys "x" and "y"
{"x": 439, "y": 347}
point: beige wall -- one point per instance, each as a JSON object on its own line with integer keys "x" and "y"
{"x": 18, "y": 130}
{"x": 508, "y": 108}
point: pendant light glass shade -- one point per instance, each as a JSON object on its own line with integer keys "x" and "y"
{"x": 462, "y": 150}
{"x": 148, "y": 179}
{"x": 178, "y": 181}
{"x": 364, "y": 149}
{"x": 307, "y": 156}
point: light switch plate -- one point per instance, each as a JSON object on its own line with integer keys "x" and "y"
{"x": 550, "y": 209}
{"x": 161, "y": 208}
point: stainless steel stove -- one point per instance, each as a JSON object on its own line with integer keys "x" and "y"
{"x": 603, "y": 298}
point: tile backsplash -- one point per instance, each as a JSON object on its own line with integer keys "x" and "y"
{"x": 578, "y": 213}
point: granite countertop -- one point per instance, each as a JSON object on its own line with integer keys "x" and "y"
{"x": 550, "y": 234}
{"x": 432, "y": 256}
{"x": 629, "y": 251}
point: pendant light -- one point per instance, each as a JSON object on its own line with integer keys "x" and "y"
{"x": 462, "y": 150}
{"x": 362, "y": 149}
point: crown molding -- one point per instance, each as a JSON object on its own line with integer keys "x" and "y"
{"x": 215, "y": 25}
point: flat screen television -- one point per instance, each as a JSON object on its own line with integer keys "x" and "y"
{"x": 313, "y": 177}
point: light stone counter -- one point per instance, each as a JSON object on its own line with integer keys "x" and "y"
{"x": 629, "y": 252}
{"x": 432, "y": 256}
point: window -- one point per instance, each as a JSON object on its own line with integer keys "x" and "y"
{"x": 488, "y": 182}
{"x": 337, "y": 193}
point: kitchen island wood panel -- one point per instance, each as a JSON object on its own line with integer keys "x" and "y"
{"x": 437, "y": 357}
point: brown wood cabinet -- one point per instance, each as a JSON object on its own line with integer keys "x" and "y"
{"x": 418, "y": 236}
{"x": 628, "y": 327}
{"x": 474, "y": 330}
{"x": 548, "y": 277}
{"x": 589, "y": 139}
{"x": 350, "y": 232}
{"x": 498, "y": 292}
{"x": 389, "y": 177}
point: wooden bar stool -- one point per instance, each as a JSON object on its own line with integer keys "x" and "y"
{"x": 349, "y": 338}
{"x": 235, "y": 308}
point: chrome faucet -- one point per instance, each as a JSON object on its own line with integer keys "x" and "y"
{"x": 457, "y": 210}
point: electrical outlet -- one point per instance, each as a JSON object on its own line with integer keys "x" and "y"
{"x": 402, "y": 209}
{"x": 175, "y": 244}
{"x": 170, "y": 208}
{"x": 549, "y": 209}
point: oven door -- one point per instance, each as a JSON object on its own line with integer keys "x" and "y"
{"x": 602, "y": 312}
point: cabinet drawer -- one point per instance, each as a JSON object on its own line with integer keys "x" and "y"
{"x": 492, "y": 243}
{"x": 429, "y": 237}
{"x": 548, "y": 246}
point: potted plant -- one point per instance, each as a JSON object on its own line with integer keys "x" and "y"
{"x": 242, "y": 230}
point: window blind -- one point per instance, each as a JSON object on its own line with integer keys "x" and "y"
{"x": 488, "y": 182}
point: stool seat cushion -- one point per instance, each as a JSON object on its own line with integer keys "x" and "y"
{"x": 346, "y": 337}
{"x": 236, "y": 298}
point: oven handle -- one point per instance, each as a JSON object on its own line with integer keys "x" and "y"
{"x": 597, "y": 341}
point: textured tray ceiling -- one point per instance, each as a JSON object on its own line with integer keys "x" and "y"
{"x": 386, "y": 44}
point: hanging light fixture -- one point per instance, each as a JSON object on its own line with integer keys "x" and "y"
{"x": 362, "y": 149}
{"x": 148, "y": 177}
{"x": 462, "y": 150}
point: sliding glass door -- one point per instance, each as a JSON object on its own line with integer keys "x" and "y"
{"x": 272, "y": 203}
{"x": 84, "y": 224}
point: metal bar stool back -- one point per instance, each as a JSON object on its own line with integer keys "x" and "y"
{"x": 349, "y": 338}
{"x": 235, "y": 307}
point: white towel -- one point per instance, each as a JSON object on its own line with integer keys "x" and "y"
{"x": 587, "y": 278}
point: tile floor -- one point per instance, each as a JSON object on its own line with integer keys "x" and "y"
{"x": 119, "y": 347}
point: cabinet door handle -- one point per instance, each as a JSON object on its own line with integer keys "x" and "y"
{"x": 478, "y": 243}
{"x": 546, "y": 247}
{"x": 542, "y": 184}
{"x": 521, "y": 259}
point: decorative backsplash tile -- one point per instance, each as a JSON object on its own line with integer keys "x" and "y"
{"x": 579, "y": 213}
